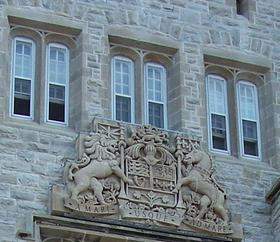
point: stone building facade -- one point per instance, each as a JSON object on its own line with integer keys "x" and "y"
{"x": 192, "y": 40}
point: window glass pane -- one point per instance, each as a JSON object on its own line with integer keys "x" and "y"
{"x": 158, "y": 85}
{"x": 151, "y": 84}
{"x": 157, "y": 73}
{"x": 123, "y": 109}
{"x": 118, "y": 88}
{"x": 156, "y": 114}
{"x": 219, "y": 139}
{"x": 150, "y": 95}
{"x": 125, "y": 89}
{"x": 150, "y": 72}
{"x": 56, "y": 103}
{"x": 18, "y": 65}
{"x": 247, "y": 101}
{"x": 27, "y": 67}
{"x": 118, "y": 65}
{"x": 22, "y": 96}
{"x": 23, "y": 59}
{"x": 27, "y": 50}
{"x": 57, "y": 65}
{"x": 53, "y": 53}
{"x": 19, "y": 47}
{"x": 249, "y": 129}
{"x": 123, "y": 76}
{"x": 125, "y": 67}
{"x": 158, "y": 96}
{"x": 216, "y": 95}
{"x": 61, "y": 55}
{"x": 250, "y": 137}
{"x": 155, "y": 83}
{"x": 61, "y": 73}
{"x": 118, "y": 77}
{"x": 125, "y": 79}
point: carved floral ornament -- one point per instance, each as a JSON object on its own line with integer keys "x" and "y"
{"x": 145, "y": 176}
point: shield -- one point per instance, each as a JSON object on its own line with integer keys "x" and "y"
{"x": 152, "y": 168}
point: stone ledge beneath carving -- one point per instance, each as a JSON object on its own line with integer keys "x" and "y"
{"x": 112, "y": 231}
{"x": 127, "y": 228}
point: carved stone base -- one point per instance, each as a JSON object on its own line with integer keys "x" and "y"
{"x": 66, "y": 229}
{"x": 129, "y": 216}
{"x": 91, "y": 208}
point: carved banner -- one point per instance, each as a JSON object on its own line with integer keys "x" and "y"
{"x": 141, "y": 174}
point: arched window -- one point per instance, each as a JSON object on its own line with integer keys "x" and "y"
{"x": 57, "y": 86}
{"x": 123, "y": 89}
{"x": 218, "y": 127}
{"x": 248, "y": 119}
{"x": 23, "y": 75}
{"x": 155, "y": 93}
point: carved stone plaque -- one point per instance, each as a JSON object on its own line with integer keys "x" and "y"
{"x": 142, "y": 174}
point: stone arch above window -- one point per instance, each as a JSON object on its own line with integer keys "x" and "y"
{"x": 127, "y": 52}
{"x": 158, "y": 58}
{"x": 226, "y": 73}
{"x": 60, "y": 39}
{"x": 29, "y": 33}
{"x": 254, "y": 78}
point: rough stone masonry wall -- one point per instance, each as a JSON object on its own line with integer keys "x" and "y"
{"x": 276, "y": 218}
{"x": 31, "y": 154}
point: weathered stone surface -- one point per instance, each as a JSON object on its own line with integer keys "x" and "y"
{"x": 31, "y": 152}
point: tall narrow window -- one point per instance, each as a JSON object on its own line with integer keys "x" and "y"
{"x": 155, "y": 76}
{"x": 123, "y": 89}
{"x": 248, "y": 119}
{"x": 217, "y": 113}
{"x": 57, "y": 83}
{"x": 23, "y": 77}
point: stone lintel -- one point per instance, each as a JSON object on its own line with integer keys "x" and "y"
{"x": 111, "y": 232}
{"x": 237, "y": 59}
{"x": 145, "y": 40}
{"x": 274, "y": 192}
{"x": 43, "y": 21}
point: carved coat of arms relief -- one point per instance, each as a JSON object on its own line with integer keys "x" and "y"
{"x": 141, "y": 174}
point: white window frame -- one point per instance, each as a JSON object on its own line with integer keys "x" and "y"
{"x": 12, "y": 87}
{"x": 240, "y": 127}
{"x": 132, "y": 91}
{"x": 146, "y": 97}
{"x": 66, "y": 86}
{"x": 209, "y": 120}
